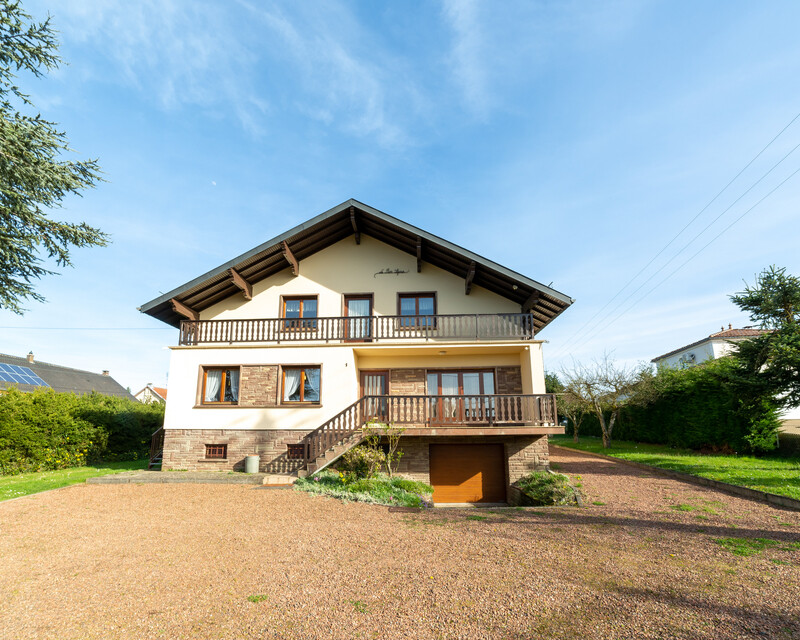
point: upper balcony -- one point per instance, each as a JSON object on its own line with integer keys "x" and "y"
{"x": 461, "y": 327}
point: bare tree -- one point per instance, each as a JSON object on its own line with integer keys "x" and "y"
{"x": 603, "y": 388}
{"x": 574, "y": 409}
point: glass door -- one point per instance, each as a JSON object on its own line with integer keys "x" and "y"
{"x": 375, "y": 383}
{"x": 463, "y": 396}
{"x": 358, "y": 321}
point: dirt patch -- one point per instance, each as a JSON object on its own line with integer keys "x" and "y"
{"x": 216, "y": 561}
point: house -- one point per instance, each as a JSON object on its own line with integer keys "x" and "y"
{"x": 356, "y": 316}
{"x": 27, "y": 374}
{"x": 151, "y": 394}
{"x": 716, "y": 346}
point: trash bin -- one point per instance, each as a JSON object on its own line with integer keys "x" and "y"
{"x": 251, "y": 463}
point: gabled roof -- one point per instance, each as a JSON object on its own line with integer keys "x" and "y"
{"x": 354, "y": 218}
{"x": 65, "y": 379}
{"x": 733, "y": 335}
{"x": 160, "y": 392}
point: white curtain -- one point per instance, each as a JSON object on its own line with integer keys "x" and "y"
{"x": 232, "y": 376}
{"x": 358, "y": 308}
{"x": 472, "y": 387}
{"x": 291, "y": 383}
{"x": 312, "y": 380}
{"x": 213, "y": 383}
{"x": 450, "y": 388}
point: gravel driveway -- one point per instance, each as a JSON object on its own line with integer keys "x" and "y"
{"x": 221, "y": 561}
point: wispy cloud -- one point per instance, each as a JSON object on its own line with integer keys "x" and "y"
{"x": 467, "y": 57}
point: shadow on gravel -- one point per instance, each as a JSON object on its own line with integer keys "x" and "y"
{"x": 745, "y": 621}
{"x": 582, "y": 518}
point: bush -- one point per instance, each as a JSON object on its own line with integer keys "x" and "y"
{"x": 541, "y": 488}
{"x": 46, "y": 430}
{"x": 361, "y": 462}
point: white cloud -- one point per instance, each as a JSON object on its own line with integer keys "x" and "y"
{"x": 467, "y": 57}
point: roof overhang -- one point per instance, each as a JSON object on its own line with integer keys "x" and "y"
{"x": 355, "y": 218}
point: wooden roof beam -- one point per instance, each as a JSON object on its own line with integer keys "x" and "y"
{"x": 241, "y": 283}
{"x": 355, "y": 225}
{"x": 287, "y": 253}
{"x": 469, "y": 278}
{"x": 186, "y": 312}
{"x": 530, "y": 303}
{"x": 419, "y": 254}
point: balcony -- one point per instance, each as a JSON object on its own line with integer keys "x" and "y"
{"x": 464, "y": 327}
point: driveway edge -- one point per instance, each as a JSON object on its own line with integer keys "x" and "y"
{"x": 743, "y": 492}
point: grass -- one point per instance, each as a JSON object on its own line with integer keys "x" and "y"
{"x": 396, "y": 491}
{"x": 770, "y": 473}
{"x": 258, "y": 597}
{"x": 25, "y": 484}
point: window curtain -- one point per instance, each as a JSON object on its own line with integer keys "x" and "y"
{"x": 232, "y": 377}
{"x": 213, "y": 383}
{"x": 291, "y": 384}
{"x": 450, "y": 388}
{"x": 312, "y": 383}
{"x": 358, "y": 309}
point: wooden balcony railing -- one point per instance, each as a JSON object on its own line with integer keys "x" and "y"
{"x": 432, "y": 411}
{"x": 497, "y": 326}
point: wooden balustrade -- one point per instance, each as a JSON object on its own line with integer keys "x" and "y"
{"x": 502, "y": 326}
{"x": 432, "y": 411}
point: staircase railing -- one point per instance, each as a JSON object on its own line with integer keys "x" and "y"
{"x": 156, "y": 447}
{"x": 432, "y": 411}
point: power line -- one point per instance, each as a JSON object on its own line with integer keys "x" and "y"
{"x": 693, "y": 256}
{"x": 91, "y": 328}
{"x": 687, "y": 225}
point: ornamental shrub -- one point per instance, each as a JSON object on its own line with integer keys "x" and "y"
{"x": 46, "y": 430}
{"x": 361, "y": 462}
{"x": 541, "y": 488}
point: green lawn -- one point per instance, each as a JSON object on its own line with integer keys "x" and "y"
{"x": 27, "y": 483}
{"x": 772, "y": 474}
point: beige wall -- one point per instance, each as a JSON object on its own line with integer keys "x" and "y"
{"x": 346, "y": 268}
{"x": 340, "y": 382}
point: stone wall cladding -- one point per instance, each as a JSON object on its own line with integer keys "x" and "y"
{"x": 184, "y": 449}
{"x": 509, "y": 380}
{"x": 407, "y": 382}
{"x": 258, "y": 386}
{"x": 523, "y": 454}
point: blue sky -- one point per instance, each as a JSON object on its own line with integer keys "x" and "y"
{"x": 570, "y": 141}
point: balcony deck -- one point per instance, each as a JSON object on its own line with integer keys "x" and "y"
{"x": 464, "y": 327}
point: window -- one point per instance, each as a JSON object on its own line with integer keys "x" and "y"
{"x": 415, "y": 306}
{"x": 295, "y": 451}
{"x": 299, "y": 309}
{"x": 216, "y": 451}
{"x": 465, "y": 386}
{"x": 220, "y": 385}
{"x": 301, "y": 384}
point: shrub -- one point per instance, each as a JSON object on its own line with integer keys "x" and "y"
{"x": 46, "y": 430}
{"x": 361, "y": 462}
{"x": 379, "y": 489}
{"x": 541, "y": 488}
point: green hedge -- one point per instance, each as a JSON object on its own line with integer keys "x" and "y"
{"x": 48, "y": 430}
{"x": 700, "y": 407}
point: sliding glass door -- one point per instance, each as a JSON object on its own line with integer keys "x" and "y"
{"x": 462, "y": 396}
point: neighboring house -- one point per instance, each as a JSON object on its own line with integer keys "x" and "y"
{"x": 287, "y": 350}
{"x": 27, "y": 375}
{"x": 151, "y": 394}
{"x": 715, "y": 346}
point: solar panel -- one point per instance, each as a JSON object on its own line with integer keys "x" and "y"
{"x": 20, "y": 375}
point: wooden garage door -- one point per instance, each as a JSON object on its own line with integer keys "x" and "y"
{"x": 468, "y": 473}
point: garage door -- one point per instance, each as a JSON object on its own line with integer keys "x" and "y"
{"x": 468, "y": 473}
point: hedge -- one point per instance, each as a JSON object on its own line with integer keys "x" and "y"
{"x": 46, "y": 430}
{"x": 700, "y": 407}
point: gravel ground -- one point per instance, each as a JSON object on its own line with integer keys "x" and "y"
{"x": 217, "y": 561}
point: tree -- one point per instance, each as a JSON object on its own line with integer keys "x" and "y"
{"x": 34, "y": 176}
{"x": 604, "y": 388}
{"x": 770, "y": 363}
{"x": 570, "y": 405}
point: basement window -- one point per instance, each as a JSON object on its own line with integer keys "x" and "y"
{"x": 295, "y": 451}
{"x": 216, "y": 451}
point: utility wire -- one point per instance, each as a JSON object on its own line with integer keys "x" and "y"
{"x": 677, "y": 235}
{"x": 92, "y": 328}
{"x": 687, "y": 245}
{"x": 693, "y": 256}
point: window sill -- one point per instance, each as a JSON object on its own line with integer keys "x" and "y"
{"x": 213, "y": 460}
{"x": 220, "y": 405}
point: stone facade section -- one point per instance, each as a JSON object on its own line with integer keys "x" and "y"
{"x": 185, "y": 449}
{"x": 523, "y": 454}
{"x": 258, "y": 386}
{"x": 407, "y": 382}
{"x": 509, "y": 380}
